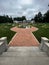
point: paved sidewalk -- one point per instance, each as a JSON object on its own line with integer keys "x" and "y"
{"x": 24, "y": 37}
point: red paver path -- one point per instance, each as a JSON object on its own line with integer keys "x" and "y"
{"x": 24, "y": 37}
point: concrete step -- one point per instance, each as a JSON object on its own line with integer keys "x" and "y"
{"x": 23, "y": 51}
{"x": 33, "y": 48}
{"x": 24, "y": 56}
{"x": 15, "y": 54}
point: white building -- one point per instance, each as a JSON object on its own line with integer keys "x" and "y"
{"x": 33, "y": 21}
{"x": 15, "y": 21}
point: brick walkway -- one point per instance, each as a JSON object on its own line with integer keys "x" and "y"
{"x": 24, "y": 37}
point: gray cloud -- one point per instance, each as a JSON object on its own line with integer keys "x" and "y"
{"x": 23, "y": 7}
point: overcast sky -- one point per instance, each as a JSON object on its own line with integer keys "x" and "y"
{"x": 26, "y": 8}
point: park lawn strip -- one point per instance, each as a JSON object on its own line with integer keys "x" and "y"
{"x": 43, "y": 31}
{"x": 6, "y": 32}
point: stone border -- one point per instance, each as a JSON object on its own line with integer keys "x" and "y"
{"x": 44, "y": 46}
{"x": 3, "y": 44}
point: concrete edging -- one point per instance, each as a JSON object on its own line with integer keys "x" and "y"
{"x": 3, "y": 44}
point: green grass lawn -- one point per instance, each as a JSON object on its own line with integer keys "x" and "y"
{"x": 5, "y": 31}
{"x": 43, "y": 30}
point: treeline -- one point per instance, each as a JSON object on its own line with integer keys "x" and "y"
{"x": 41, "y": 18}
{"x": 20, "y": 18}
{"x": 6, "y": 19}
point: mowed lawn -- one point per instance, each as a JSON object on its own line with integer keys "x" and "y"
{"x": 6, "y": 32}
{"x": 42, "y": 32}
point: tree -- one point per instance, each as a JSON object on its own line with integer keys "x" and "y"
{"x": 6, "y": 19}
{"x": 20, "y": 18}
{"x": 23, "y": 18}
{"x": 38, "y": 17}
{"x": 32, "y": 19}
{"x": 46, "y": 17}
{"x": 48, "y": 5}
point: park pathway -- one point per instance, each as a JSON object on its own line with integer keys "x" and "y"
{"x": 19, "y": 53}
{"x": 24, "y": 37}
